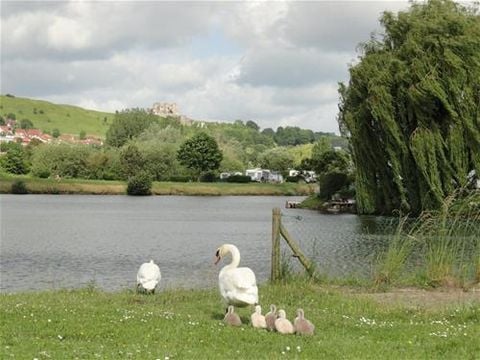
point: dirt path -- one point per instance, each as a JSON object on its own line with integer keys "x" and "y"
{"x": 437, "y": 298}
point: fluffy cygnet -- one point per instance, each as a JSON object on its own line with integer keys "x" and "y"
{"x": 302, "y": 325}
{"x": 258, "y": 320}
{"x": 282, "y": 324}
{"x": 270, "y": 318}
{"x": 231, "y": 318}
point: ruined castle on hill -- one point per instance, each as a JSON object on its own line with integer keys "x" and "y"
{"x": 165, "y": 109}
{"x": 171, "y": 110}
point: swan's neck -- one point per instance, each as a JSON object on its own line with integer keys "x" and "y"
{"x": 235, "y": 257}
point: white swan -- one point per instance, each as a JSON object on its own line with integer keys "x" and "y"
{"x": 238, "y": 286}
{"x": 148, "y": 277}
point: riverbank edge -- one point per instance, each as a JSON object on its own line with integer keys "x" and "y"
{"x": 106, "y": 187}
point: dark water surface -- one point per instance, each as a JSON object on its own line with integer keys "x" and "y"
{"x": 69, "y": 241}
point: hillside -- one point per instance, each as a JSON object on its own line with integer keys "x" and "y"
{"x": 47, "y": 116}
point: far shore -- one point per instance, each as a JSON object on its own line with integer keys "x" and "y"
{"x": 104, "y": 187}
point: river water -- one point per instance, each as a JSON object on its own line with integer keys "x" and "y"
{"x": 70, "y": 241}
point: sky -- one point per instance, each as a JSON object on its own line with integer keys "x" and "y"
{"x": 277, "y": 63}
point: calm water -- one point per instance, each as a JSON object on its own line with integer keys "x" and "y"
{"x": 50, "y": 241}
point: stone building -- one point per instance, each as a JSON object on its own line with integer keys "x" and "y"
{"x": 165, "y": 109}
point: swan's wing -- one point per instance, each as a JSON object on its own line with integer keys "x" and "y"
{"x": 149, "y": 275}
{"x": 243, "y": 278}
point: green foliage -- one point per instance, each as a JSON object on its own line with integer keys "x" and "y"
{"x": 15, "y": 160}
{"x": 252, "y": 124}
{"x": 140, "y": 184}
{"x": 241, "y": 179}
{"x": 200, "y": 154}
{"x": 443, "y": 244}
{"x": 132, "y": 160}
{"x": 2, "y": 120}
{"x": 331, "y": 182}
{"x": 11, "y": 116}
{"x": 127, "y": 125}
{"x": 82, "y": 135}
{"x": 293, "y": 135}
{"x": 55, "y": 133}
{"x": 277, "y": 159}
{"x": 160, "y": 159}
{"x": 412, "y": 108}
{"x": 26, "y": 124}
{"x": 19, "y": 187}
{"x": 208, "y": 177}
{"x": 65, "y": 160}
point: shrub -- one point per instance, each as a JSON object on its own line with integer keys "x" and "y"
{"x": 239, "y": 179}
{"x": 208, "y": 177}
{"x": 19, "y": 187}
{"x": 140, "y": 184}
{"x": 295, "y": 179}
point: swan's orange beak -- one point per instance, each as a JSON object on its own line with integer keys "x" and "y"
{"x": 217, "y": 259}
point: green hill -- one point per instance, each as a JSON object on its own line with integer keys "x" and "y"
{"x": 46, "y": 116}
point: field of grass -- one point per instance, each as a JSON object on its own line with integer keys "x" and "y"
{"x": 103, "y": 187}
{"x": 46, "y": 116}
{"x": 187, "y": 324}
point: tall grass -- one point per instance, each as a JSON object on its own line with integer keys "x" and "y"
{"x": 445, "y": 243}
{"x": 392, "y": 261}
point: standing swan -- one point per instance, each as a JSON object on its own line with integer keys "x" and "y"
{"x": 238, "y": 286}
{"x": 148, "y": 277}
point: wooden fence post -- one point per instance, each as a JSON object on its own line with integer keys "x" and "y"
{"x": 276, "y": 224}
{"x": 307, "y": 264}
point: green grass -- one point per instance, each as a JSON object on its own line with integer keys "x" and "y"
{"x": 187, "y": 324}
{"x": 444, "y": 245}
{"x": 67, "y": 119}
{"x": 103, "y": 187}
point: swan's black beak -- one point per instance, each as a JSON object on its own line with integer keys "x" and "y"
{"x": 217, "y": 257}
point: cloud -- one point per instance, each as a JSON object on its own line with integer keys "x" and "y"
{"x": 277, "y": 63}
{"x": 92, "y": 30}
{"x": 291, "y": 67}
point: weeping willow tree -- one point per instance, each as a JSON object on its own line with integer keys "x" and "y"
{"x": 411, "y": 109}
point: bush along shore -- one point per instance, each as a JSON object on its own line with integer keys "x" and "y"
{"x": 29, "y": 185}
{"x": 186, "y": 324}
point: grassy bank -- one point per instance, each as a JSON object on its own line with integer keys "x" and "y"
{"x": 47, "y": 116}
{"x": 186, "y": 324}
{"x": 78, "y": 186}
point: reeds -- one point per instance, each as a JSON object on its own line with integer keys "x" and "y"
{"x": 445, "y": 244}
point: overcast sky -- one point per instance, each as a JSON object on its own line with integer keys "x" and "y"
{"x": 276, "y": 63}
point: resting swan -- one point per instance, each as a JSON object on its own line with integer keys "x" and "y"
{"x": 238, "y": 286}
{"x": 148, "y": 277}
